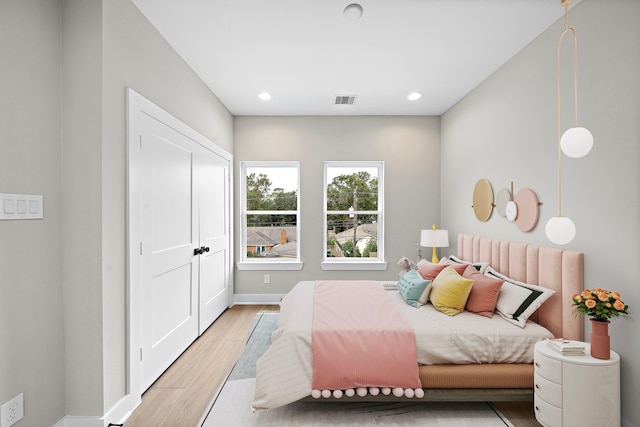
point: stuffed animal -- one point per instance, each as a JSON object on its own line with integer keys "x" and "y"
{"x": 405, "y": 265}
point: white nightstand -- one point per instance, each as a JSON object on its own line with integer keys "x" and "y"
{"x": 576, "y": 390}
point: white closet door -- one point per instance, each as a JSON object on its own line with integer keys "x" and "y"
{"x": 169, "y": 287}
{"x": 213, "y": 174}
{"x": 179, "y": 225}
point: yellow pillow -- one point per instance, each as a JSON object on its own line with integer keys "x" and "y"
{"x": 449, "y": 291}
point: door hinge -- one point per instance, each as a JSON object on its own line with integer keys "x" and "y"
{"x": 140, "y": 141}
{"x": 140, "y": 248}
{"x": 141, "y": 354}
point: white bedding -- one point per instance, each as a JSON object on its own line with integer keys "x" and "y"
{"x": 284, "y": 372}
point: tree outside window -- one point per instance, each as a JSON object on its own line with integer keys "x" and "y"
{"x": 270, "y": 211}
{"x": 353, "y": 194}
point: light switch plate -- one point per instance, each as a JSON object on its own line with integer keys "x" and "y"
{"x": 21, "y": 206}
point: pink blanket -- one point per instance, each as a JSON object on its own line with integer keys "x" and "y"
{"x": 360, "y": 338}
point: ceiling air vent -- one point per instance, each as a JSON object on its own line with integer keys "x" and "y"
{"x": 344, "y": 99}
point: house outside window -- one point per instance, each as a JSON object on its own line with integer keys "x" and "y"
{"x": 270, "y": 216}
{"x": 354, "y": 216}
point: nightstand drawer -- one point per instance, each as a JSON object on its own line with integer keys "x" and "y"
{"x": 546, "y": 413}
{"x": 548, "y": 390}
{"x": 548, "y": 368}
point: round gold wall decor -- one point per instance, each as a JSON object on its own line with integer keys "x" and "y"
{"x": 483, "y": 200}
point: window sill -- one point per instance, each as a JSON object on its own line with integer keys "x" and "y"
{"x": 358, "y": 265}
{"x": 269, "y": 265}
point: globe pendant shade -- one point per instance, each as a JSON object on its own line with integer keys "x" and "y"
{"x": 576, "y": 142}
{"x": 560, "y": 230}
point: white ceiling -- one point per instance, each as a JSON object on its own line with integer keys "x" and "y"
{"x": 304, "y": 52}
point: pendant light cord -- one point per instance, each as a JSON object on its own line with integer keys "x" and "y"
{"x": 567, "y": 29}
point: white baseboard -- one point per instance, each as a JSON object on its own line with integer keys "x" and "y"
{"x": 77, "y": 421}
{"x": 122, "y": 410}
{"x": 257, "y": 298}
{"x": 116, "y": 415}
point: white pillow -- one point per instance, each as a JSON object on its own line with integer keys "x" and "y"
{"x": 517, "y": 301}
{"x": 480, "y": 266}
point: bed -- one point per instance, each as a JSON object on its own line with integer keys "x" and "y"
{"x": 284, "y": 373}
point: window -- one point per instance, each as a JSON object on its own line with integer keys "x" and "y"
{"x": 270, "y": 215}
{"x": 353, "y": 216}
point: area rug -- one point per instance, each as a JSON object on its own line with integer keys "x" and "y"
{"x": 232, "y": 404}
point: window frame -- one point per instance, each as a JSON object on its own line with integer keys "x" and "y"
{"x": 356, "y": 263}
{"x": 245, "y": 262}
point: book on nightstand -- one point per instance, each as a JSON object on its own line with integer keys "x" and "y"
{"x": 566, "y": 347}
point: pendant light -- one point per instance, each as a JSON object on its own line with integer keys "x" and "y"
{"x": 575, "y": 142}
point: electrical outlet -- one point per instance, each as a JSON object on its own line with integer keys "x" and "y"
{"x": 12, "y": 411}
{"x": 267, "y": 278}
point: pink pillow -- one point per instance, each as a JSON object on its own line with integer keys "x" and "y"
{"x": 459, "y": 268}
{"x": 428, "y": 270}
{"x": 484, "y": 293}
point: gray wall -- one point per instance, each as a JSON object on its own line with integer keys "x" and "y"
{"x": 410, "y": 149}
{"x": 62, "y": 125}
{"x": 31, "y": 308}
{"x": 505, "y": 130}
{"x": 81, "y": 208}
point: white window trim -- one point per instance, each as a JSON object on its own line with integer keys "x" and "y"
{"x": 344, "y": 264}
{"x": 353, "y": 266}
{"x": 270, "y": 265}
{"x": 267, "y": 263}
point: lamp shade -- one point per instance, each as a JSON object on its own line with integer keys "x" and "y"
{"x": 560, "y": 230}
{"x": 434, "y": 238}
{"x": 576, "y": 142}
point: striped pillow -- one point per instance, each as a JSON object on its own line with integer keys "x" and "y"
{"x": 518, "y": 300}
{"x": 480, "y": 266}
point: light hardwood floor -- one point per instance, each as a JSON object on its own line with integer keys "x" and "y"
{"x": 519, "y": 413}
{"x": 181, "y": 395}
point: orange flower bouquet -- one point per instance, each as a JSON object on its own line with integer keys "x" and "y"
{"x": 600, "y": 304}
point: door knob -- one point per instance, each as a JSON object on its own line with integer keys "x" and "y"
{"x": 201, "y": 250}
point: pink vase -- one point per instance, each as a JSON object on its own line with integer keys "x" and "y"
{"x": 600, "y": 341}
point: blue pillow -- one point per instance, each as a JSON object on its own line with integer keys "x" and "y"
{"x": 411, "y": 285}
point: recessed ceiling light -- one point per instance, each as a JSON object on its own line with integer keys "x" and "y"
{"x": 414, "y": 95}
{"x": 352, "y": 12}
{"x": 265, "y": 96}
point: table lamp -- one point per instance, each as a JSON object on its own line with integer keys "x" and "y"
{"x": 435, "y": 239}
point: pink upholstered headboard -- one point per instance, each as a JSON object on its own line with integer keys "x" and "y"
{"x": 553, "y": 268}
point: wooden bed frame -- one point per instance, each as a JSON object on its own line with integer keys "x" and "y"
{"x": 553, "y": 268}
